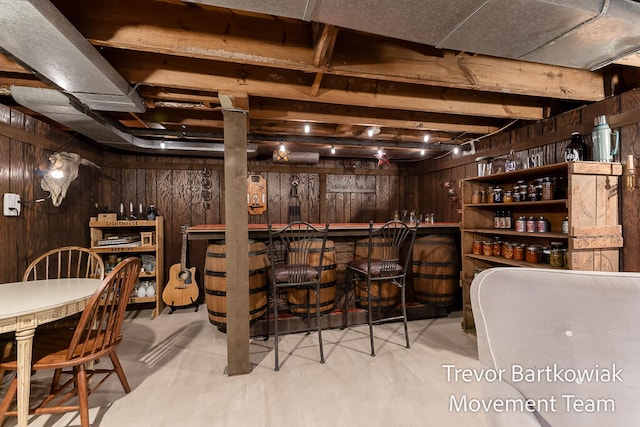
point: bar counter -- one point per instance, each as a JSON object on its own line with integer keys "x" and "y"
{"x": 344, "y": 237}
{"x": 260, "y": 231}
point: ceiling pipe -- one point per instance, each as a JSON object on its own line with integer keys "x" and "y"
{"x": 309, "y": 139}
{"x": 58, "y": 107}
{"x": 39, "y": 36}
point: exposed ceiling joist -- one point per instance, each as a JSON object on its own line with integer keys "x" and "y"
{"x": 296, "y": 62}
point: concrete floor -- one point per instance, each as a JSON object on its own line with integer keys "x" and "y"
{"x": 176, "y": 367}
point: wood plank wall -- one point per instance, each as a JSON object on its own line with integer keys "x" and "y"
{"x": 332, "y": 190}
{"x": 549, "y": 137}
{"x": 24, "y": 144}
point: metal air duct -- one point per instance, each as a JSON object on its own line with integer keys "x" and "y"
{"x": 57, "y": 106}
{"x": 40, "y": 37}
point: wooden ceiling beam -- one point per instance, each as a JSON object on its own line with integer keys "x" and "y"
{"x": 180, "y": 73}
{"x": 218, "y": 36}
{"x": 7, "y": 65}
{"x": 323, "y": 50}
{"x": 348, "y": 121}
{"x": 324, "y": 46}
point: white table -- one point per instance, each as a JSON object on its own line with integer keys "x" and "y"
{"x": 24, "y": 306}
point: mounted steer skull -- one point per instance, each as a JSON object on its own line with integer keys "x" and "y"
{"x": 63, "y": 170}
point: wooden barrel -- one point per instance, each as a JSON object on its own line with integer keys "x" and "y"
{"x": 215, "y": 281}
{"x": 297, "y": 298}
{"x": 435, "y": 270}
{"x": 387, "y": 292}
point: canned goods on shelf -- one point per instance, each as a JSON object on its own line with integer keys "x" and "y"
{"x": 497, "y": 248}
{"x": 476, "y": 197}
{"x": 542, "y": 225}
{"x": 497, "y": 195}
{"x": 531, "y": 225}
{"x": 487, "y": 248}
{"x": 518, "y": 252}
{"x": 507, "y": 250}
{"x": 556, "y": 257}
{"x": 533, "y": 254}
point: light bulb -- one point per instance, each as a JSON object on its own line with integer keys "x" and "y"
{"x": 282, "y": 148}
{"x": 426, "y": 137}
{"x": 307, "y": 128}
{"x": 456, "y": 150}
{"x": 370, "y": 132}
{"x": 333, "y": 150}
{"x": 163, "y": 145}
{"x": 422, "y": 152}
{"x": 57, "y": 173}
{"x": 380, "y": 152}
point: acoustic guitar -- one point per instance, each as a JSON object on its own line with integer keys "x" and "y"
{"x": 181, "y": 290}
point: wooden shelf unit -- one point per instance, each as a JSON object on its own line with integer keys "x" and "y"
{"x": 102, "y": 229}
{"x": 591, "y": 205}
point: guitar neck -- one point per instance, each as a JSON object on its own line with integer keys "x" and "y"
{"x": 183, "y": 256}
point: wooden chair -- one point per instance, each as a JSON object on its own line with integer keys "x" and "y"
{"x": 290, "y": 250}
{"x": 63, "y": 262}
{"x": 382, "y": 267}
{"x": 96, "y": 335}
{"x": 67, "y": 261}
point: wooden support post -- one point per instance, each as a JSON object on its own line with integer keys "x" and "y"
{"x": 323, "y": 198}
{"x": 237, "y": 240}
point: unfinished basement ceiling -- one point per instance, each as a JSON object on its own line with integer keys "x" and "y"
{"x": 139, "y": 73}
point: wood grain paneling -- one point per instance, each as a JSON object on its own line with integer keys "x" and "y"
{"x": 553, "y": 134}
{"x": 174, "y": 185}
{"x": 40, "y": 226}
{"x": 630, "y": 145}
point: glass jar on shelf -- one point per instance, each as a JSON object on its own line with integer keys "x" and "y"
{"x": 476, "y": 197}
{"x": 497, "y": 248}
{"x": 518, "y": 252}
{"x": 497, "y": 195}
{"x": 556, "y": 255}
{"x": 516, "y": 193}
{"x": 533, "y": 254}
{"x": 507, "y": 250}
{"x": 508, "y": 197}
{"x": 547, "y": 189}
{"x": 487, "y": 248}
